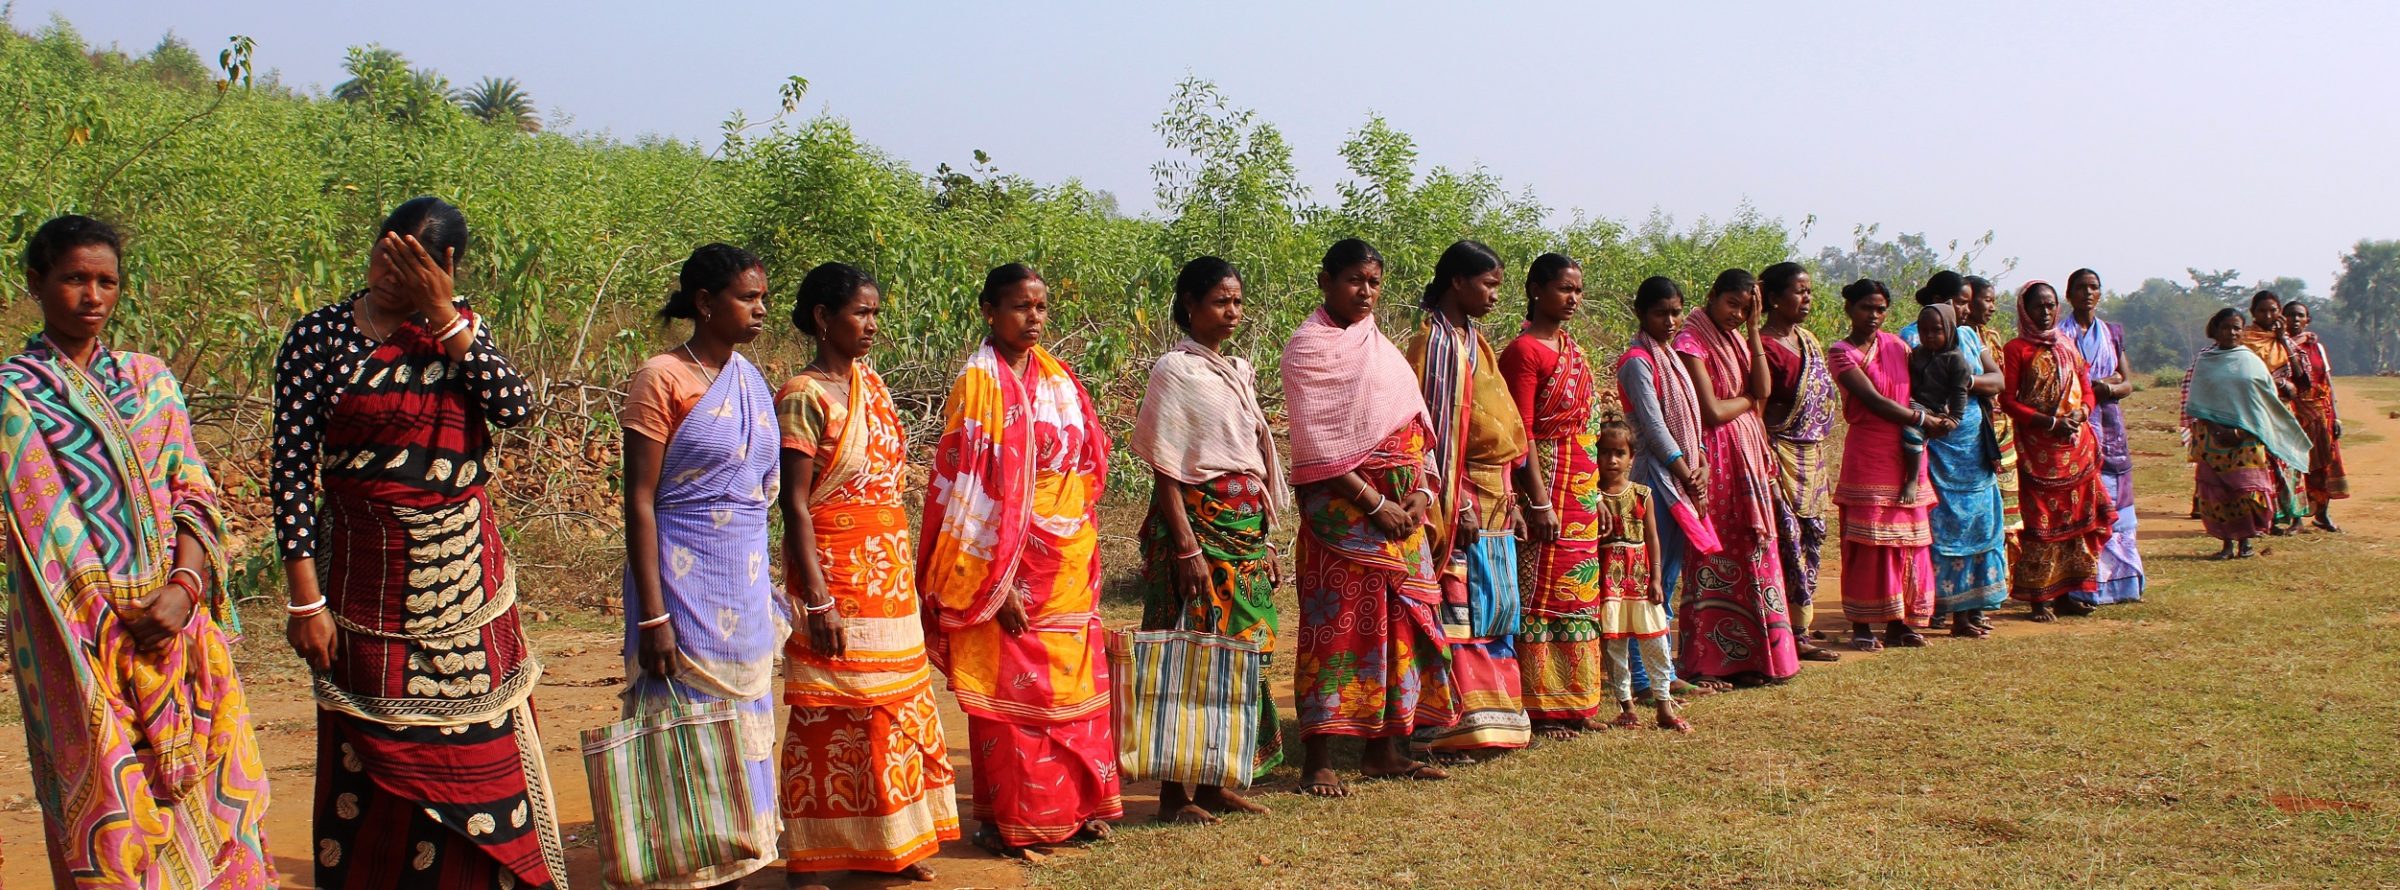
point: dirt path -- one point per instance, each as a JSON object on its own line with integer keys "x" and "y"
{"x": 583, "y": 674}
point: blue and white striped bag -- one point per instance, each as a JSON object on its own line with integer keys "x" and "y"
{"x": 1186, "y": 706}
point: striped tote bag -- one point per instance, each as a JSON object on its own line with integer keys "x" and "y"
{"x": 669, "y": 795}
{"x": 1186, "y": 706}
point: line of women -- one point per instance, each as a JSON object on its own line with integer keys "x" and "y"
{"x": 1491, "y": 544}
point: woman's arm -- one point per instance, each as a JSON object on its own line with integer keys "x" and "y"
{"x": 1862, "y": 392}
{"x": 1987, "y": 381}
{"x": 1188, "y": 570}
{"x": 655, "y": 645}
{"x": 493, "y": 381}
{"x": 804, "y": 577}
{"x": 1713, "y": 411}
{"x": 1658, "y": 594}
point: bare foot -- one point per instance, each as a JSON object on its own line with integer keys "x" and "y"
{"x": 1189, "y": 814}
{"x": 1100, "y": 830}
{"x": 1223, "y": 801}
{"x": 1323, "y": 782}
{"x": 918, "y": 873}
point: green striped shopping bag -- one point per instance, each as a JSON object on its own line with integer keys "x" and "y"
{"x": 669, "y": 795}
{"x": 1186, "y": 706}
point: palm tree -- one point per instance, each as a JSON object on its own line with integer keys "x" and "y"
{"x": 501, "y": 101}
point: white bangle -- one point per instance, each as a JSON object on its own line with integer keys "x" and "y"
{"x": 1380, "y": 500}
{"x": 817, "y": 609}
{"x": 1539, "y": 508}
{"x": 307, "y": 610}
{"x": 197, "y": 582}
{"x": 1195, "y": 552}
{"x": 648, "y": 623}
{"x": 457, "y": 324}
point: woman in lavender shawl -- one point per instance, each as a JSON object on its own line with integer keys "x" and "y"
{"x": 2103, "y": 346}
{"x": 702, "y": 621}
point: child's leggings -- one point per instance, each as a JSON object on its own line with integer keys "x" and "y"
{"x": 1654, "y": 655}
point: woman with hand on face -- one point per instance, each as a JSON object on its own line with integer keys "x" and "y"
{"x": 1478, "y": 438}
{"x": 2266, "y": 336}
{"x": 1009, "y": 562}
{"x": 403, "y": 596}
{"x": 866, "y": 778}
{"x": 1372, "y": 661}
{"x": 2068, "y": 511}
{"x": 702, "y": 623}
{"x": 1735, "y": 627}
{"x": 1208, "y": 561}
{"x": 136, "y": 729}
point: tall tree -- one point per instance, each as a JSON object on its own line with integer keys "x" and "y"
{"x": 2223, "y": 286}
{"x": 501, "y": 101}
{"x": 2367, "y": 295}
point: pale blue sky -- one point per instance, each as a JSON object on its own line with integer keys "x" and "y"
{"x": 2138, "y": 138}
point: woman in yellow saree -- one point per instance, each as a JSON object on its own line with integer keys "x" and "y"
{"x": 1009, "y": 566}
{"x": 135, "y": 725}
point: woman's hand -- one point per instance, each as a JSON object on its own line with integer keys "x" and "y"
{"x": 314, "y": 638}
{"x": 2283, "y": 389}
{"x": 1012, "y": 618}
{"x": 1470, "y": 527}
{"x": 2337, "y": 429}
{"x": 423, "y": 279}
{"x": 656, "y": 650}
{"x": 1658, "y": 593}
{"x": 1939, "y": 425}
{"x": 1695, "y": 488}
{"x": 825, "y": 635}
{"x": 1394, "y": 520}
{"x": 156, "y": 619}
{"x": 1541, "y": 525}
{"x": 1191, "y": 576}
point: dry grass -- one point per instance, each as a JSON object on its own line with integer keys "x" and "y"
{"x": 2234, "y": 730}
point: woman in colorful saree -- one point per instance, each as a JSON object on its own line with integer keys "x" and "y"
{"x": 1208, "y": 561}
{"x": 2239, "y": 430}
{"x": 1478, "y": 442}
{"x": 2267, "y": 337}
{"x": 136, "y": 728}
{"x": 2312, "y": 402}
{"x": 2068, "y": 510}
{"x": 1735, "y": 627}
{"x": 866, "y": 777}
{"x": 702, "y": 622}
{"x": 1009, "y": 562}
{"x": 1887, "y": 565}
{"x": 1669, "y": 458}
{"x": 2102, "y": 344}
{"x": 1798, "y": 415}
{"x": 430, "y": 770}
{"x": 1372, "y": 662}
{"x": 1559, "y": 644}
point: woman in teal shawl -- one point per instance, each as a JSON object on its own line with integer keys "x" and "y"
{"x": 2239, "y": 429}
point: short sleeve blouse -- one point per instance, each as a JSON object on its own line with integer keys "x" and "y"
{"x": 662, "y": 392}
{"x": 811, "y": 419}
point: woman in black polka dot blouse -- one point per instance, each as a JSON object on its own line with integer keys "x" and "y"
{"x": 403, "y": 600}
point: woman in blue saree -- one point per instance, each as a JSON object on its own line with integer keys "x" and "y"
{"x": 702, "y": 621}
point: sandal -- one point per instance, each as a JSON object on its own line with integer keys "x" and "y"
{"x": 1865, "y": 642}
{"x": 1819, "y": 653}
{"x": 1909, "y": 640}
{"x": 1675, "y": 724}
{"x": 2074, "y": 608}
{"x": 1967, "y": 630}
{"x": 1626, "y": 720}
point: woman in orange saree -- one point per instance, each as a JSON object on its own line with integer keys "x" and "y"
{"x": 136, "y": 728}
{"x": 866, "y": 783}
{"x": 1009, "y": 563}
{"x": 2313, "y": 403}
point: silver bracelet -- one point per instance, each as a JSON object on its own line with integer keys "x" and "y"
{"x": 1195, "y": 552}
{"x": 197, "y": 582}
{"x": 307, "y": 610}
{"x": 648, "y": 623}
{"x": 1380, "y": 500}
{"x": 817, "y": 609}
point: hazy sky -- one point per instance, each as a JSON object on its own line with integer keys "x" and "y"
{"x": 2138, "y": 138}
